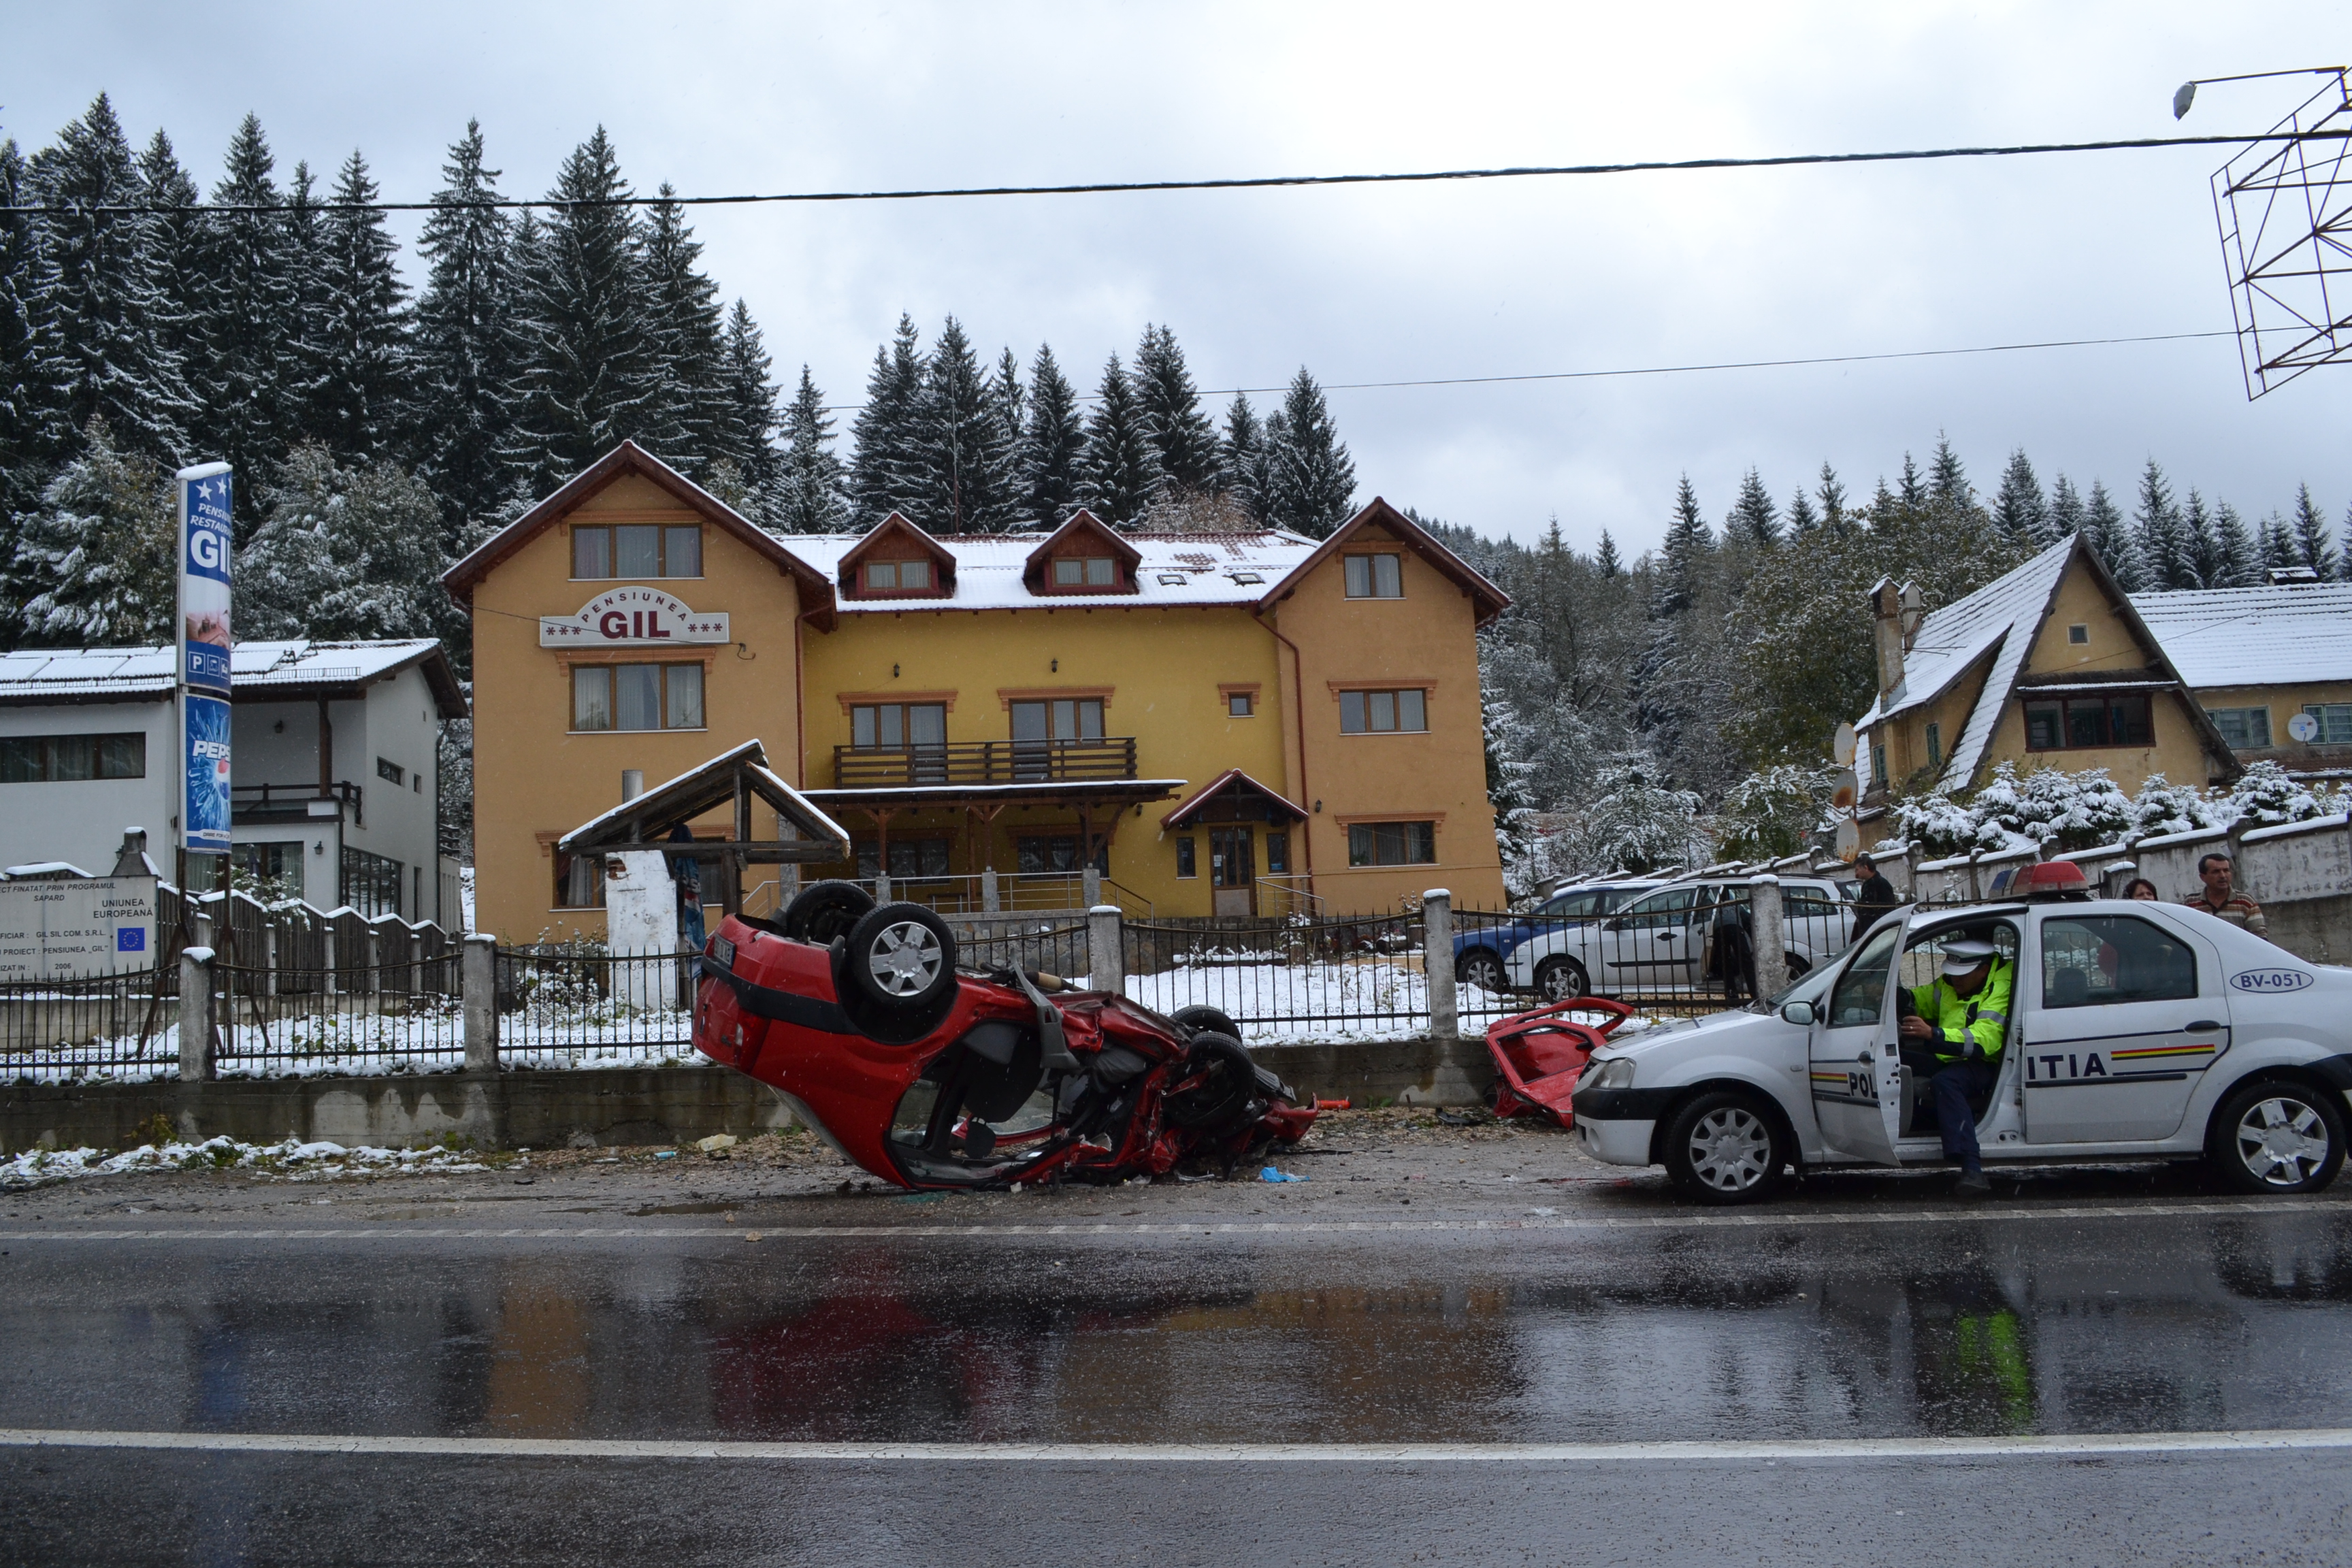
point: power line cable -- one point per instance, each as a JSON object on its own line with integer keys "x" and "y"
{"x": 1258, "y": 182}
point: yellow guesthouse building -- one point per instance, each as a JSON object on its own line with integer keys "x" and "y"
{"x": 1216, "y": 723}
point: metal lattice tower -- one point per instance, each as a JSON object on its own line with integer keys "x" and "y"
{"x": 2284, "y": 206}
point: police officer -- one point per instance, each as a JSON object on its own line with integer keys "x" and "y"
{"x": 1961, "y": 1019}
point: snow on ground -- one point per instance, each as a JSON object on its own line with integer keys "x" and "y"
{"x": 1319, "y": 1004}
{"x": 292, "y": 1158}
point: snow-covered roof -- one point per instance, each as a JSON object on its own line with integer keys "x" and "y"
{"x": 2290, "y": 633}
{"x": 1173, "y": 569}
{"x": 131, "y": 674}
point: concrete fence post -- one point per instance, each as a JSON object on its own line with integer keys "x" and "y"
{"x": 197, "y": 1053}
{"x": 1105, "y": 951}
{"x": 1769, "y": 907}
{"x": 1976, "y": 877}
{"x": 1437, "y": 962}
{"x": 375, "y": 980}
{"x": 1091, "y": 888}
{"x": 326, "y": 957}
{"x": 478, "y": 987}
{"x": 882, "y": 886}
{"x": 989, "y": 903}
{"x": 270, "y": 958}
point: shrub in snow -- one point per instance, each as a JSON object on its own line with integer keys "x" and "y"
{"x": 2264, "y": 796}
{"x": 1637, "y": 822}
{"x": 1768, "y": 813}
{"x": 1936, "y": 821}
{"x": 2046, "y": 807}
{"x": 2162, "y": 806}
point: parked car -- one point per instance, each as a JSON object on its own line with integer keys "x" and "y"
{"x": 1660, "y": 941}
{"x": 1482, "y": 950}
{"x": 2137, "y": 1030}
{"x": 933, "y": 1076}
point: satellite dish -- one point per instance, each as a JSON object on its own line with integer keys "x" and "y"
{"x": 2303, "y": 727}
{"x": 1841, "y": 745}
{"x": 1849, "y": 838}
{"x": 1843, "y": 789}
{"x": 2181, "y": 99}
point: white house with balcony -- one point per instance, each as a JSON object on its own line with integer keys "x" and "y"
{"x": 334, "y": 767}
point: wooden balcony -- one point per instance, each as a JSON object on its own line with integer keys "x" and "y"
{"x": 985, "y": 762}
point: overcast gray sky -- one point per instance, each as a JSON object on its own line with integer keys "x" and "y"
{"x": 1376, "y": 284}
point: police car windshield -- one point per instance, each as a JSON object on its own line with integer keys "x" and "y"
{"x": 1812, "y": 987}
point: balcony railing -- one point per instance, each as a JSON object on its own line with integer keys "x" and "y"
{"x": 984, "y": 763}
{"x": 255, "y": 801}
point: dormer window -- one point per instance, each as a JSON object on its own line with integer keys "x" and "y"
{"x": 1088, "y": 571}
{"x": 898, "y": 576}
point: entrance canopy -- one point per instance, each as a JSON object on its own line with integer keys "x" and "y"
{"x": 736, "y": 777}
{"x": 1232, "y": 796}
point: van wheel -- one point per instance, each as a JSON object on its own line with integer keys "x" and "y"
{"x": 1558, "y": 979}
{"x": 824, "y": 911}
{"x": 2277, "y": 1137}
{"x": 902, "y": 958}
{"x": 1725, "y": 1148}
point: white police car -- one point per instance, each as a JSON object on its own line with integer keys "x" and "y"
{"x": 2136, "y": 1029}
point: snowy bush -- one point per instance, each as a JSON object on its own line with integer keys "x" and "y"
{"x": 2045, "y": 807}
{"x": 1768, "y": 813}
{"x": 2264, "y": 795}
{"x": 2162, "y": 806}
{"x": 1637, "y": 822}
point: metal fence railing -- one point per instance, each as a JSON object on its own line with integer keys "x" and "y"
{"x": 1305, "y": 978}
{"x": 406, "y": 1016}
{"x": 96, "y": 1025}
{"x": 572, "y": 1005}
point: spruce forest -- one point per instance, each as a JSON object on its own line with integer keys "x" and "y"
{"x": 378, "y": 432}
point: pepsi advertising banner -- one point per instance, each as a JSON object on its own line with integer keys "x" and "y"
{"x": 204, "y": 721}
{"x": 204, "y": 557}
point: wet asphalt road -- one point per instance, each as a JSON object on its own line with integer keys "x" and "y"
{"x": 1867, "y": 1311}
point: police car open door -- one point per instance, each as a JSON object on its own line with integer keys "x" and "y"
{"x": 1852, "y": 1057}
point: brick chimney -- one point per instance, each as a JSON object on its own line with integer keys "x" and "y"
{"x": 1887, "y": 636}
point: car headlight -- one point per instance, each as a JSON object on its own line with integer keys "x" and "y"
{"x": 1615, "y": 1073}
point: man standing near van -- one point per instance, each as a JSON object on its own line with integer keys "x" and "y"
{"x": 1874, "y": 900}
{"x": 1961, "y": 1019}
{"x": 2221, "y": 897}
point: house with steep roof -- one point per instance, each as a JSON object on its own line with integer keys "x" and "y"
{"x": 2272, "y": 665}
{"x": 1191, "y": 722}
{"x": 2049, "y": 666}
{"x": 335, "y": 757}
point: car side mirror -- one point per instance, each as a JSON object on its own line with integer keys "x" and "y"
{"x": 1799, "y": 1013}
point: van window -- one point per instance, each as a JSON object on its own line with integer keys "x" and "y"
{"x": 1667, "y": 907}
{"x": 2096, "y": 960}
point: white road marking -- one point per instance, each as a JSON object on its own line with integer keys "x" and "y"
{"x": 2253, "y": 1208}
{"x": 2125, "y": 1443}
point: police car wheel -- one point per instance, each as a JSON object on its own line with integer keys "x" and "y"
{"x": 2277, "y": 1137}
{"x": 1558, "y": 979}
{"x": 1725, "y": 1148}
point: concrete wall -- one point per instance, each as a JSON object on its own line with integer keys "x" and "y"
{"x": 83, "y": 821}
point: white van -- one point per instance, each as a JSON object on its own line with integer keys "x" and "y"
{"x": 1657, "y": 945}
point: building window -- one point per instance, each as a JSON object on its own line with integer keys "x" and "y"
{"x": 1277, "y": 854}
{"x": 895, "y": 726}
{"x": 1392, "y": 844}
{"x": 72, "y": 759}
{"x": 637, "y": 550}
{"x": 2078, "y": 636}
{"x": 1090, "y": 572}
{"x": 1935, "y": 745}
{"x": 1061, "y": 719}
{"x": 898, "y": 576}
{"x": 909, "y": 858}
{"x": 579, "y": 881}
{"x": 2246, "y": 729}
{"x": 1186, "y": 865}
{"x": 1879, "y": 764}
{"x": 392, "y": 772}
{"x": 278, "y": 865}
{"x": 636, "y": 696}
{"x": 1239, "y": 704}
{"x": 1375, "y": 577}
{"x": 2078, "y": 723}
{"x": 1382, "y": 712}
{"x": 1055, "y": 855}
{"x": 371, "y": 882}
{"x": 2334, "y": 719}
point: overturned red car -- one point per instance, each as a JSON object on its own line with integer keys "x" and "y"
{"x": 934, "y": 1076}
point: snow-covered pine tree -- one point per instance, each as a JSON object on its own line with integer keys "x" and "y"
{"x": 1008, "y": 403}
{"x": 249, "y": 374}
{"x": 1683, "y": 557}
{"x": 96, "y": 301}
{"x": 965, "y": 482}
{"x": 346, "y": 552}
{"x": 1242, "y": 458}
{"x": 1752, "y": 519}
{"x": 1605, "y": 558}
{"x": 102, "y": 548}
{"x": 463, "y": 342}
{"x": 1914, "y": 488}
{"x": 2202, "y": 555}
{"x": 1182, "y": 440}
{"x": 1120, "y": 472}
{"x": 2160, "y": 532}
{"x": 589, "y": 371}
{"x": 2018, "y": 505}
{"x": 2311, "y": 542}
{"x": 2104, "y": 525}
{"x": 1948, "y": 481}
{"x": 1311, "y": 480}
{"x": 356, "y": 407}
{"x": 747, "y": 409}
{"x": 812, "y": 496}
{"x": 686, "y": 422}
{"x": 1802, "y": 518}
{"x": 2064, "y": 516}
{"x": 1053, "y": 446}
{"x": 2239, "y": 558}
{"x": 883, "y": 469}
{"x": 2278, "y": 542}
{"x": 33, "y": 427}
{"x": 174, "y": 245}
{"x": 1830, "y": 493}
